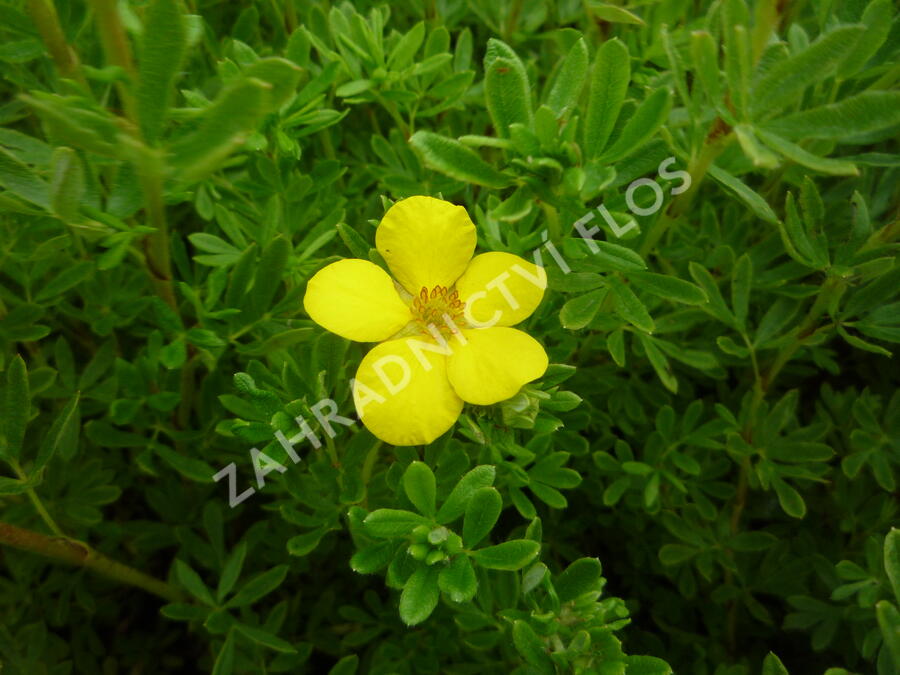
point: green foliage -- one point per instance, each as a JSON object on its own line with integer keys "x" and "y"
{"x": 704, "y": 480}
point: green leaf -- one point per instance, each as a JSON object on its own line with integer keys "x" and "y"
{"x": 741, "y": 282}
{"x": 676, "y": 554}
{"x": 892, "y": 560}
{"x": 705, "y": 59}
{"x": 614, "y": 14}
{"x": 282, "y": 75}
{"x": 420, "y": 595}
{"x": 668, "y": 287}
{"x": 231, "y": 571}
{"x": 872, "y": 294}
{"x": 482, "y": 513}
{"x": 506, "y": 88}
{"x": 531, "y": 647}
{"x": 800, "y": 452}
{"x": 752, "y": 541}
{"x": 642, "y": 125}
{"x": 224, "y": 664}
{"x": 63, "y": 435}
{"x": 863, "y": 113}
{"x": 615, "y": 257}
{"x": 223, "y": 127}
{"x": 610, "y": 75}
{"x": 192, "y": 582}
{"x": 391, "y": 523}
{"x": 455, "y": 504}
{"x": 163, "y": 47}
{"x": 68, "y": 278}
{"x": 659, "y": 362}
{"x": 791, "y": 501}
{"x": 458, "y": 579}
{"x": 787, "y": 80}
{"x": 582, "y": 576}
{"x": 404, "y": 51}
{"x": 629, "y": 307}
{"x": 889, "y": 623}
{"x": 757, "y": 153}
{"x": 180, "y": 611}
{"x": 22, "y": 181}
{"x": 510, "y": 555}
{"x": 306, "y": 543}
{"x": 647, "y": 665}
{"x": 831, "y": 167}
{"x": 372, "y": 558}
{"x": 877, "y": 18}
{"x": 716, "y": 306}
{"x": 772, "y": 665}
{"x": 13, "y": 486}
{"x": 354, "y": 241}
{"x": 549, "y": 495}
{"x": 258, "y": 587}
{"x": 75, "y": 124}
{"x": 569, "y": 80}
{"x": 16, "y": 407}
{"x": 67, "y": 187}
{"x": 200, "y": 337}
{"x": 580, "y": 311}
{"x": 265, "y": 638}
{"x": 346, "y": 666}
{"x": 757, "y": 204}
{"x": 419, "y": 484}
{"x": 268, "y": 277}
{"x": 456, "y": 160}
{"x": 737, "y": 51}
{"x": 194, "y": 468}
{"x": 615, "y": 343}
{"x": 795, "y": 239}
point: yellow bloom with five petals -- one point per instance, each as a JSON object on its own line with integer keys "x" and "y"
{"x": 444, "y": 326}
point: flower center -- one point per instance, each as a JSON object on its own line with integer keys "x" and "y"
{"x": 438, "y": 307}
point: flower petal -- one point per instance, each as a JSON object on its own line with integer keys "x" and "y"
{"x": 494, "y": 364}
{"x": 500, "y": 289}
{"x": 426, "y": 242}
{"x": 357, "y": 300}
{"x": 402, "y": 393}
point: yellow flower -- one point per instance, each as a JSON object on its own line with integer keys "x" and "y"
{"x": 444, "y": 325}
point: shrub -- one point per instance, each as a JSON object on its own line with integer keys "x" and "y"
{"x": 704, "y": 477}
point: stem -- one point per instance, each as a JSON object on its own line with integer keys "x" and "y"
{"x": 117, "y": 50}
{"x": 46, "y": 20}
{"x": 716, "y": 141}
{"x": 188, "y": 386}
{"x": 331, "y": 450}
{"x": 73, "y": 552}
{"x": 391, "y": 108}
{"x": 290, "y": 16}
{"x": 512, "y": 19}
{"x": 887, "y": 80}
{"x": 553, "y": 228}
{"x": 883, "y": 235}
{"x": 369, "y": 465}
{"x": 149, "y": 163}
{"x": 767, "y": 21}
{"x": 763, "y": 383}
{"x": 369, "y": 462}
{"x": 833, "y": 286}
{"x": 35, "y": 500}
{"x": 156, "y": 244}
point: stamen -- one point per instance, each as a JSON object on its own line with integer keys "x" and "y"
{"x": 438, "y": 309}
